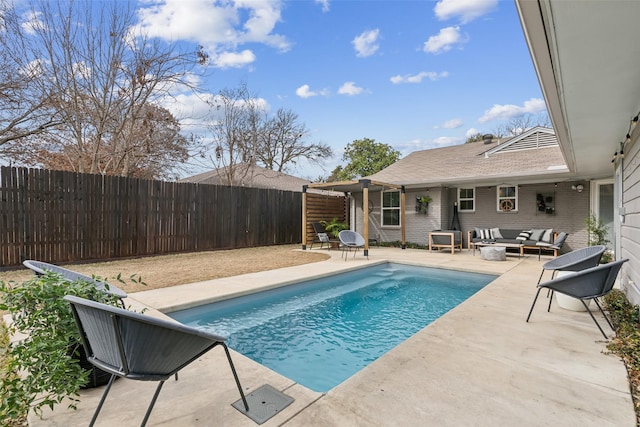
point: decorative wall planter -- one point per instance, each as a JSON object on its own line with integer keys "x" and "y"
{"x": 422, "y": 204}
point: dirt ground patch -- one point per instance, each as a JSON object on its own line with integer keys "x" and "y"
{"x": 178, "y": 269}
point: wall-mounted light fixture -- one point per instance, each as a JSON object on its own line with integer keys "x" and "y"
{"x": 577, "y": 188}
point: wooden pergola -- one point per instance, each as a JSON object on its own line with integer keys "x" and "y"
{"x": 355, "y": 186}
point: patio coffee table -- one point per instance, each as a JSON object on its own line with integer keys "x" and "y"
{"x": 519, "y": 246}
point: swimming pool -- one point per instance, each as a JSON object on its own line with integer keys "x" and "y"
{"x": 322, "y": 331}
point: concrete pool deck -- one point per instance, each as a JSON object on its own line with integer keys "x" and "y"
{"x": 480, "y": 364}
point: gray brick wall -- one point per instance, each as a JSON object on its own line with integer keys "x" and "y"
{"x": 571, "y": 209}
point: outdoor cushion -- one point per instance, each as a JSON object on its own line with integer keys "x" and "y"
{"x": 524, "y": 235}
{"x": 536, "y": 233}
{"x": 547, "y": 236}
{"x": 508, "y": 233}
{"x": 495, "y": 233}
{"x": 483, "y": 233}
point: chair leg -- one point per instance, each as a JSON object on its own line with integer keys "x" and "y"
{"x": 153, "y": 402}
{"x": 235, "y": 376}
{"x": 604, "y": 314}
{"x": 102, "y": 399}
{"x": 594, "y": 319}
{"x": 534, "y": 303}
{"x": 550, "y": 301}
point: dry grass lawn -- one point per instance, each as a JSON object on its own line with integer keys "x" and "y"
{"x": 178, "y": 269}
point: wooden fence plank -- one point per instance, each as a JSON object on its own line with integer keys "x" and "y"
{"x": 60, "y": 217}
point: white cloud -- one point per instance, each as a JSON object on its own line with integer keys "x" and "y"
{"x": 505, "y": 112}
{"x": 350, "y": 88}
{"x": 466, "y": 10}
{"x": 419, "y": 144}
{"x": 305, "y": 91}
{"x": 452, "y": 124}
{"x": 445, "y": 141}
{"x": 366, "y": 43}
{"x": 324, "y": 4}
{"x": 218, "y": 27}
{"x": 444, "y": 41}
{"x": 417, "y": 78}
{"x": 234, "y": 59}
{"x": 32, "y": 22}
{"x": 471, "y": 132}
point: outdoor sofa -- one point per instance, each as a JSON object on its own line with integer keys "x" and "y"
{"x": 532, "y": 238}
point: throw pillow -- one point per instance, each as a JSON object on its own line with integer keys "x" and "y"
{"x": 524, "y": 235}
{"x": 483, "y": 233}
{"x": 547, "y": 236}
{"x": 536, "y": 233}
{"x": 495, "y": 233}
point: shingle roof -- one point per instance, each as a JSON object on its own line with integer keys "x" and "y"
{"x": 246, "y": 175}
{"x": 532, "y": 154}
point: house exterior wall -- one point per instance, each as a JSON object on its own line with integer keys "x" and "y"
{"x": 571, "y": 210}
{"x": 630, "y": 226}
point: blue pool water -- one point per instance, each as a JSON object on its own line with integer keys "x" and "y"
{"x": 320, "y": 332}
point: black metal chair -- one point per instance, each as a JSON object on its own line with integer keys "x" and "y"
{"x": 320, "y": 235}
{"x": 585, "y": 285}
{"x": 139, "y": 347}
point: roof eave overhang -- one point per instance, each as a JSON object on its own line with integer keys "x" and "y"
{"x": 535, "y": 18}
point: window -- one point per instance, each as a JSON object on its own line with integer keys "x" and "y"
{"x": 507, "y": 198}
{"x": 391, "y": 208}
{"x": 467, "y": 199}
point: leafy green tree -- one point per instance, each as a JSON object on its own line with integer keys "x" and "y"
{"x": 365, "y": 157}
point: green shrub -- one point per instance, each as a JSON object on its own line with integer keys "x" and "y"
{"x": 44, "y": 359}
{"x": 626, "y": 342}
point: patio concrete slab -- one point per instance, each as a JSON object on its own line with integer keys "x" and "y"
{"x": 480, "y": 364}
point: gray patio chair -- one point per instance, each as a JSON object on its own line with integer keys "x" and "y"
{"x": 577, "y": 260}
{"x": 350, "y": 240}
{"x": 589, "y": 284}
{"x": 39, "y": 268}
{"x": 139, "y": 347}
{"x": 555, "y": 247}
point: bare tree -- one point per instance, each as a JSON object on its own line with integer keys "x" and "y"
{"x": 236, "y": 116}
{"x": 23, "y": 100}
{"x": 102, "y": 81}
{"x": 282, "y": 142}
{"x": 517, "y": 125}
{"x": 157, "y": 145}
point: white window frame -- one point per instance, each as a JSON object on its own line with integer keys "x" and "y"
{"x": 383, "y": 208}
{"x": 499, "y": 200}
{"x": 472, "y": 199}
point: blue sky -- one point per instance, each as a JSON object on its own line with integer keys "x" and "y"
{"x": 411, "y": 74}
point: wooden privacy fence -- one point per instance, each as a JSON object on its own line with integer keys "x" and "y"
{"x": 57, "y": 216}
